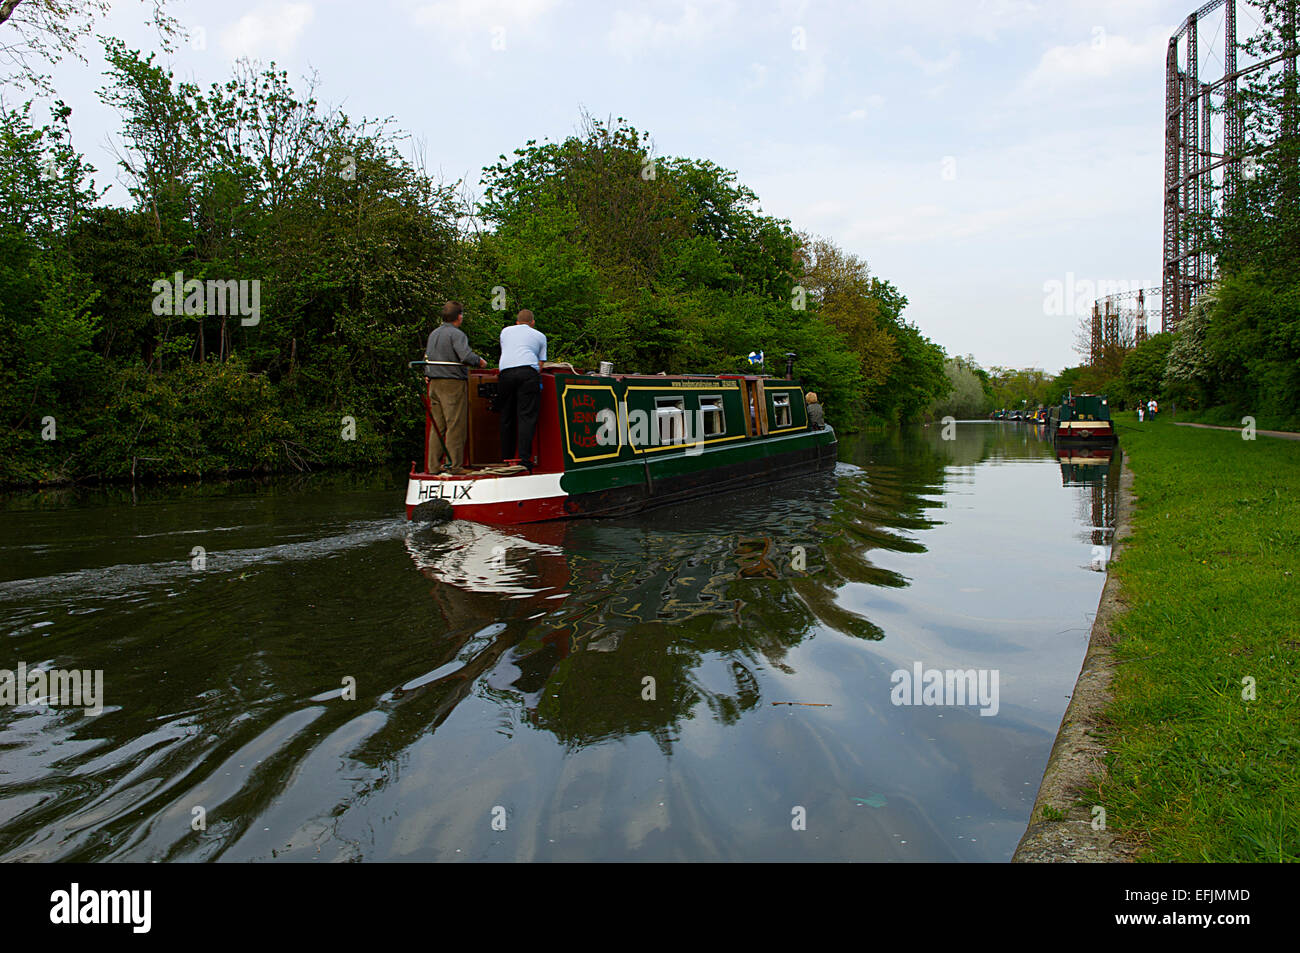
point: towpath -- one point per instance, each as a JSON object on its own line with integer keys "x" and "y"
{"x": 1284, "y": 434}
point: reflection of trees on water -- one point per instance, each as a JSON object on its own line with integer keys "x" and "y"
{"x": 699, "y": 598}
{"x": 563, "y": 623}
{"x": 970, "y": 443}
{"x": 729, "y": 584}
{"x": 1097, "y": 471}
{"x": 556, "y": 624}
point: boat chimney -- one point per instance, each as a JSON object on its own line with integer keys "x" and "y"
{"x": 789, "y": 365}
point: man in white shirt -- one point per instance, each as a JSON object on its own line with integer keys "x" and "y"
{"x": 523, "y": 350}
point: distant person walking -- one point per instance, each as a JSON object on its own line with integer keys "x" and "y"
{"x": 448, "y": 382}
{"x": 1141, "y": 412}
{"x": 523, "y": 350}
{"x": 816, "y": 413}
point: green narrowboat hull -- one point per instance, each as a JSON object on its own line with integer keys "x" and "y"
{"x": 610, "y": 446}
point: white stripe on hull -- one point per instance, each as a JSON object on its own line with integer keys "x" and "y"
{"x": 508, "y": 489}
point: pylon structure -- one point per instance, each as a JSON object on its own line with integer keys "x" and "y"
{"x": 1095, "y": 343}
{"x": 1194, "y": 170}
{"x": 1114, "y": 315}
{"x": 1140, "y": 327}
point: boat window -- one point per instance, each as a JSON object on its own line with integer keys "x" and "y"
{"x": 781, "y": 406}
{"x": 711, "y": 415}
{"x": 670, "y": 419}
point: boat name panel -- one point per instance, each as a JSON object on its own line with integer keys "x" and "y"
{"x": 440, "y": 490}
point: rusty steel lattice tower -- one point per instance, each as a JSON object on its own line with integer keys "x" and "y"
{"x": 1105, "y": 327}
{"x": 1191, "y": 162}
{"x": 1120, "y": 321}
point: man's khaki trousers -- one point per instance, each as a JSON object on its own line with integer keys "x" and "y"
{"x": 449, "y": 403}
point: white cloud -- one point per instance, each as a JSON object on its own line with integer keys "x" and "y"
{"x": 473, "y": 31}
{"x": 481, "y": 14}
{"x": 636, "y": 32}
{"x": 273, "y": 29}
{"x": 872, "y": 104}
{"x": 1101, "y": 57}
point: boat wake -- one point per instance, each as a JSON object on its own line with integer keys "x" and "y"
{"x": 132, "y": 579}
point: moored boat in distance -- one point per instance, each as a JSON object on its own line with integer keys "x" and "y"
{"x": 608, "y": 445}
{"x": 1082, "y": 419}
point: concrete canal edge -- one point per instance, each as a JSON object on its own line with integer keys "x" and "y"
{"x": 1077, "y": 754}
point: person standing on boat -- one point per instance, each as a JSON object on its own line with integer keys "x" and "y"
{"x": 523, "y": 349}
{"x": 816, "y": 413}
{"x": 449, "y": 351}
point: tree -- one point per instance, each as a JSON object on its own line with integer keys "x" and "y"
{"x": 1069, "y": 381}
{"x": 658, "y": 263}
{"x": 1017, "y": 388}
{"x": 967, "y": 398}
{"x": 1188, "y": 373}
{"x": 45, "y": 31}
{"x": 917, "y": 379}
{"x": 1259, "y": 227}
{"x": 46, "y": 317}
{"x": 1142, "y": 375}
{"x": 839, "y": 286}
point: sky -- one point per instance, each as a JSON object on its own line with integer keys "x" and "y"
{"x": 988, "y": 157}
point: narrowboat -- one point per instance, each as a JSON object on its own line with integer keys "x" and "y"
{"x": 1082, "y": 419}
{"x": 612, "y": 444}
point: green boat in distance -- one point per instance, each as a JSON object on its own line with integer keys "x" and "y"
{"x": 1082, "y": 420}
{"x": 609, "y": 445}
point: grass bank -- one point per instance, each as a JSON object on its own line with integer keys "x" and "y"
{"x": 1204, "y": 731}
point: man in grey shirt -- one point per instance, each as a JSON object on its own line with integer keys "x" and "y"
{"x": 816, "y": 415}
{"x": 449, "y": 389}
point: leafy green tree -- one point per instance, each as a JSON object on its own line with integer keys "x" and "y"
{"x": 968, "y": 398}
{"x": 1018, "y": 389}
{"x": 1252, "y": 344}
{"x": 1188, "y": 371}
{"x": 47, "y": 322}
{"x": 840, "y": 286}
{"x": 1069, "y": 381}
{"x": 654, "y": 263}
{"x": 36, "y": 32}
{"x": 1142, "y": 374}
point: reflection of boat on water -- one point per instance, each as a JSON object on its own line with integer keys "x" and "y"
{"x": 1095, "y": 468}
{"x": 617, "y": 444}
{"x": 1081, "y": 466}
{"x": 559, "y": 622}
{"x": 485, "y": 560}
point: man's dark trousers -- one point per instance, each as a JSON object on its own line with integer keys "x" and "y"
{"x": 519, "y": 390}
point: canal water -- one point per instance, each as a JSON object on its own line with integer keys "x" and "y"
{"x": 293, "y": 672}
